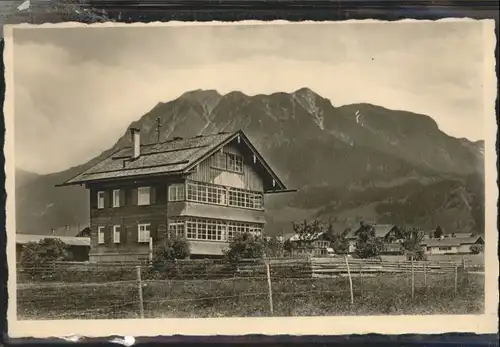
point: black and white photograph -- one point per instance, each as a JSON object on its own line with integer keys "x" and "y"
{"x": 308, "y": 177}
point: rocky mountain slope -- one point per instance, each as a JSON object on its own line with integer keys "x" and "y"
{"x": 349, "y": 163}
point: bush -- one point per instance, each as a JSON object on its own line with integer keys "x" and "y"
{"x": 411, "y": 242}
{"x": 417, "y": 255}
{"x": 245, "y": 246}
{"x": 166, "y": 253}
{"x": 172, "y": 248}
{"x": 38, "y": 255}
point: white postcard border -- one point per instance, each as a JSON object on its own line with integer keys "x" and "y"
{"x": 341, "y": 325}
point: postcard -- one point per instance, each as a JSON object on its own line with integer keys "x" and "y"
{"x": 251, "y": 177}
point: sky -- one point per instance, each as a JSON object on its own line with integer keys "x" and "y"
{"x": 76, "y": 90}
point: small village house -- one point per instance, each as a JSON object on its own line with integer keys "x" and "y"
{"x": 78, "y": 247}
{"x": 205, "y": 188}
{"x": 314, "y": 245}
{"x": 455, "y": 243}
{"x": 387, "y": 232}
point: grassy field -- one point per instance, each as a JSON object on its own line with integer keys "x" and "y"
{"x": 387, "y": 294}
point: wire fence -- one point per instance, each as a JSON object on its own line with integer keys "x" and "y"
{"x": 272, "y": 287}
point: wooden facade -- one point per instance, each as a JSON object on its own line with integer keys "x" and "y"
{"x": 221, "y": 194}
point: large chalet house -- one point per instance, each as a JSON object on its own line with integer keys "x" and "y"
{"x": 205, "y": 188}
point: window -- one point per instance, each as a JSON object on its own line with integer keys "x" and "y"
{"x": 100, "y": 235}
{"x": 217, "y": 230}
{"x": 206, "y": 229}
{"x": 322, "y": 244}
{"x": 241, "y": 227}
{"x": 227, "y": 161}
{"x": 177, "y": 192}
{"x": 207, "y": 193}
{"x": 445, "y": 248}
{"x": 144, "y": 231}
{"x": 116, "y": 234}
{"x": 143, "y": 196}
{"x": 100, "y": 199}
{"x": 219, "y": 161}
{"x": 116, "y": 198}
{"x": 219, "y": 195}
{"x": 244, "y": 198}
{"x": 234, "y": 163}
{"x": 177, "y": 227}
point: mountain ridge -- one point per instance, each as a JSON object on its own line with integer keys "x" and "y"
{"x": 356, "y": 148}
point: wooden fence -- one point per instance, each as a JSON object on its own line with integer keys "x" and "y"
{"x": 337, "y": 266}
{"x": 274, "y": 272}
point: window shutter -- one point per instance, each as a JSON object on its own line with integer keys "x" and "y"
{"x": 123, "y": 197}
{"x": 108, "y": 235}
{"x": 155, "y": 232}
{"x": 123, "y": 234}
{"x": 152, "y": 231}
{"x": 93, "y": 198}
{"x": 107, "y": 200}
{"x": 135, "y": 196}
{"x": 134, "y": 234}
{"x": 152, "y": 195}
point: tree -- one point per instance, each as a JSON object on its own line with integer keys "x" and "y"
{"x": 245, "y": 246}
{"x": 274, "y": 247}
{"x": 438, "y": 232}
{"x": 368, "y": 245}
{"x": 411, "y": 241}
{"x": 341, "y": 244}
{"x": 477, "y": 249}
{"x": 172, "y": 248}
{"x": 288, "y": 246}
{"x": 338, "y": 242}
{"x": 306, "y": 232}
{"x": 37, "y": 255}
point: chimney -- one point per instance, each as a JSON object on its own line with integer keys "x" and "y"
{"x": 136, "y": 142}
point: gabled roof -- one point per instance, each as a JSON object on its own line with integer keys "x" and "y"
{"x": 176, "y": 156}
{"x": 69, "y": 240}
{"x": 381, "y": 230}
{"x": 451, "y": 241}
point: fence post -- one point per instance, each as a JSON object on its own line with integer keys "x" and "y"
{"x": 350, "y": 280}
{"x": 139, "y": 287}
{"x": 234, "y": 291}
{"x": 412, "y": 279}
{"x": 268, "y": 271}
{"x": 463, "y": 263}
{"x": 361, "y": 277}
{"x": 425, "y": 275}
{"x": 456, "y": 278}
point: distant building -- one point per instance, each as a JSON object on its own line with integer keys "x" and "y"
{"x": 459, "y": 243}
{"x": 206, "y": 188}
{"x": 68, "y": 230}
{"x": 314, "y": 245}
{"x": 387, "y": 232}
{"x": 78, "y": 247}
